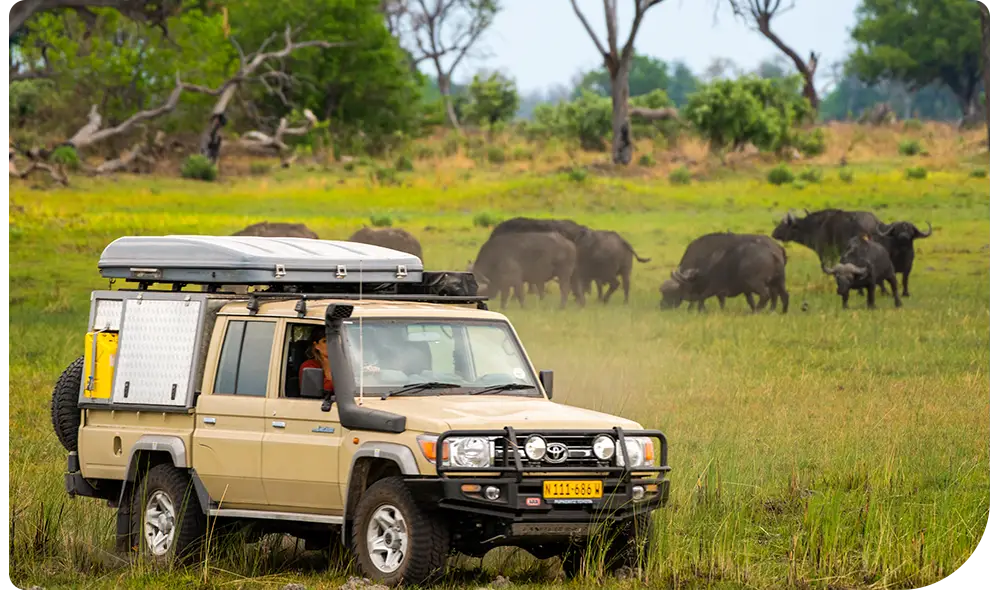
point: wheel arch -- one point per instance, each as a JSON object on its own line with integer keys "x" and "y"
{"x": 371, "y": 462}
{"x": 157, "y": 449}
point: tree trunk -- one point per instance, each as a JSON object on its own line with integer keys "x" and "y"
{"x": 444, "y": 85}
{"x": 984, "y": 23}
{"x": 621, "y": 146}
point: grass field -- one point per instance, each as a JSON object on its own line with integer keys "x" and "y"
{"x": 821, "y": 448}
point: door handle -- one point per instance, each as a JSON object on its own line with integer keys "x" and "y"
{"x": 208, "y": 420}
{"x": 278, "y": 424}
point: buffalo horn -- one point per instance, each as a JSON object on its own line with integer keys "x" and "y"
{"x": 930, "y": 230}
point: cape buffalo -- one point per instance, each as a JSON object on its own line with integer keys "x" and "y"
{"x": 266, "y": 229}
{"x": 568, "y": 228}
{"x": 747, "y": 266}
{"x": 389, "y": 237}
{"x": 864, "y": 264}
{"x": 603, "y": 257}
{"x": 507, "y": 261}
{"x": 897, "y": 238}
{"x": 826, "y": 232}
{"x": 698, "y": 255}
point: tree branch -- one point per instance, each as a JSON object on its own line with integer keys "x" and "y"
{"x": 590, "y": 31}
{"x": 91, "y": 133}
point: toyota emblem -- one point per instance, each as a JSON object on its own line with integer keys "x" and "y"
{"x": 556, "y": 453}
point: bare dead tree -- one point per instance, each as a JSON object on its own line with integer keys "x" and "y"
{"x": 984, "y": 25}
{"x": 154, "y": 12}
{"x": 211, "y": 141}
{"x": 618, "y": 61}
{"x": 442, "y": 32}
{"x": 759, "y": 14}
{"x": 261, "y": 142}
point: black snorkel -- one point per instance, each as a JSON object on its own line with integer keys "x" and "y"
{"x": 351, "y": 415}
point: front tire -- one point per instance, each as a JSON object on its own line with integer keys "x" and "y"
{"x": 393, "y": 540}
{"x": 166, "y": 517}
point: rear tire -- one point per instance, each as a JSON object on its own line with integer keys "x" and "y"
{"x": 167, "y": 520}
{"x": 65, "y": 412}
{"x": 393, "y": 540}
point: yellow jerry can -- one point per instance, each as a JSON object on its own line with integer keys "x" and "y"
{"x": 99, "y": 364}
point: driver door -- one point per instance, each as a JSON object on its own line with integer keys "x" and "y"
{"x": 302, "y": 443}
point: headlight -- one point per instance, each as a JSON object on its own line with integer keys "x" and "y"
{"x": 639, "y": 450}
{"x": 473, "y": 451}
{"x": 604, "y": 447}
{"x": 534, "y": 447}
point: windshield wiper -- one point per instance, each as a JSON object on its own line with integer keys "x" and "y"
{"x": 502, "y": 387}
{"x": 413, "y": 387}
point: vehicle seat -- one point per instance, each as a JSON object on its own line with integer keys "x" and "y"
{"x": 413, "y": 358}
{"x": 296, "y": 356}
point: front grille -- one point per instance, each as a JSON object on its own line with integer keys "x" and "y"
{"x": 579, "y": 452}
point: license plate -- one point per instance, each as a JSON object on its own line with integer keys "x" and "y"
{"x": 570, "y": 489}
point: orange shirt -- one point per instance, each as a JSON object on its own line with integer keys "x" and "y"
{"x": 314, "y": 364}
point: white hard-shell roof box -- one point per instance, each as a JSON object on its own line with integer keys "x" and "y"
{"x": 254, "y": 261}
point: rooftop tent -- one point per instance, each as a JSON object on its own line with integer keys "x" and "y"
{"x": 246, "y": 260}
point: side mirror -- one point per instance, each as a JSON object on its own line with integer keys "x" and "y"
{"x": 311, "y": 386}
{"x": 546, "y": 377}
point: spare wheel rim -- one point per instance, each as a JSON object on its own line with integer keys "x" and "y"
{"x": 387, "y": 538}
{"x": 159, "y": 523}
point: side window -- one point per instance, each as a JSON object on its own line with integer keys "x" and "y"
{"x": 296, "y": 353}
{"x": 245, "y": 360}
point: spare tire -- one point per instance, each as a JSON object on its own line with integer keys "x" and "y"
{"x": 65, "y": 413}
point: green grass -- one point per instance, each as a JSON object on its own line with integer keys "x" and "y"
{"x": 826, "y": 448}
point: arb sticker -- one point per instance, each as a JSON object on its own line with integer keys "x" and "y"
{"x": 533, "y": 501}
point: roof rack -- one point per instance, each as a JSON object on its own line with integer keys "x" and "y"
{"x": 283, "y": 268}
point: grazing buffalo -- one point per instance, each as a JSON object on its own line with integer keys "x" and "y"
{"x": 389, "y": 237}
{"x": 863, "y": 265}
{"x": 897, "y": 238}
{"x": 507, "y": 261}
{"x": 745, "y": 266}
{"x": 266, "y": 229}
{"x": 568, "y": 228}
{"x": 826, "y": 232}
{"x": 603, "y": 257}
{"x": 699, "y": 255}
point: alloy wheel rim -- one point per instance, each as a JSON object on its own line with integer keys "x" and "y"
{"x": 159, "y": 523}
{"x": 387, "y": 538}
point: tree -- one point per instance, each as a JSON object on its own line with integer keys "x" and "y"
{"x": 618, "y": 62}
{"x": 984, "y": 23}
{"x": 646, "y": 74}
{"x": 490, "y": 100}
{"x": 144, "y": 11}
{"x": 442, "y": 32}
{"x": 759, "y": 14}
{"x": 919, "y": 42}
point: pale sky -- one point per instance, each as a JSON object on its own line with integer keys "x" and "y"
{"x": 541, "y": 42}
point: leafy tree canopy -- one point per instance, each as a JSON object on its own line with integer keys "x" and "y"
{"x": 646, "y": 74}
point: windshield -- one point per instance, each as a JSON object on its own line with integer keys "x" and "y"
{"x": 454, "y": 356}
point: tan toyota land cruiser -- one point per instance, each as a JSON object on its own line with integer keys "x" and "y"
{"x": 417, "y": 427}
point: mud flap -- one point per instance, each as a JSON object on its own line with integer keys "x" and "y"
{"x": 125, "y": 539}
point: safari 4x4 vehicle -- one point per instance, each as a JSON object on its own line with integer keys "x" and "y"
{"x": 191, "y": 406}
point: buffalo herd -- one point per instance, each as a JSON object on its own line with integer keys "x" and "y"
{"x": 523, "y": 254}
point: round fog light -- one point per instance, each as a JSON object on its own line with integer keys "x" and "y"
{"x": 638, "y": 492}
{"x": 604, "y": 447}
{"x": 534, "y": 447}
{"x": 492, "y": 492}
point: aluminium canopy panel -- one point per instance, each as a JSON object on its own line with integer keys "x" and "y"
{"x": 254, "y": 261}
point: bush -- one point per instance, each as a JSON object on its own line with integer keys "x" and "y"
{"x": 384, "y": 175}
{"x": 913, "y": 125}
{"x": 349, "y": 167}
{"x": 451, "y": 143}
{"x": 646, "y": 161}
{"x": 680, "y": 176}
{"x": 490, "y": 101}
{"x": 65, "y": 155}
{"x": 381, "y": 219}
{"x": 578, "y": 174}
{"x": 522, "y": 154}
{"x": 846, "y": 175}
{"x": 780, "y": 175}
{"x": 198, "y": 167}
{"x": 799, "y": 185}
{"x": 404, "y": 163}
{"x": 748, "y": 110}
{"x": 916, "y": 173}
{"x": 259, "y": 169}
{"x": 424, "y": 152}
{"x": 811, "y": 175}
{"x": 910, "y": 147}
{"x": 486, "y": 219}
{"x": 978, "y": 173}
{"x": 495, "y": 154}
{"x": 812, "y": 143}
